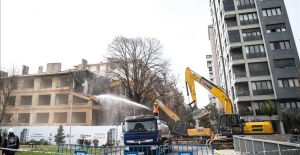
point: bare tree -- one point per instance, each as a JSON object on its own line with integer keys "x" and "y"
{"x": 138, "y": 60}
{"x": 8, "y": 83}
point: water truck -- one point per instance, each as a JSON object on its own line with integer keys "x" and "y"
{"x": 144, "y": 134}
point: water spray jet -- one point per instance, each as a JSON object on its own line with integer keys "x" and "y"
{"x": 112, "y": 97}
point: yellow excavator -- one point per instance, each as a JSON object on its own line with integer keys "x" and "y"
{"x": 181, "y": 128}
{"x": 229, "y": 123}
{"x": 200, "y": 132}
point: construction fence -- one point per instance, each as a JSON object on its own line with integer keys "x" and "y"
{"x": 70, "y": 149}
{"x": 267, "y": 144}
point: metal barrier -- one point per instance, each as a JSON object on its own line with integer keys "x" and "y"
{"x": 267, "y": 144}
{"x": 71, "y": 149}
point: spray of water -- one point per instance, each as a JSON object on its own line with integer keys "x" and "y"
{"x": 116, "y": 98}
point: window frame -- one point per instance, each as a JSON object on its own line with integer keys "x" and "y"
{"x": 280, "y": 45}
{"x": 276, "y": 11}
{"x": 288, "y": 82}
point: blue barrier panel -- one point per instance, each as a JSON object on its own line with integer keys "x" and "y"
{"x": 185, "y": 153}
{"x": 131, "y": 153}
{"x": 177, "y": 149}
{"x": 80, "y": 152}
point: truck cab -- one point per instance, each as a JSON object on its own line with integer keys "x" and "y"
{"x": 144, "y": 133}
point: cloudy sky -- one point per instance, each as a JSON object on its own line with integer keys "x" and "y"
{"x": 37, "y": 32}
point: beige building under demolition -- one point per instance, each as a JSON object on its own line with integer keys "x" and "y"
{"x": 58, "y": 97}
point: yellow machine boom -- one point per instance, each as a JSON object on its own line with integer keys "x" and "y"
{"x": 191, "y": 77}
{"x": 230, "y": 123}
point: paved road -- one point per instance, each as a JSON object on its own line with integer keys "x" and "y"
{"x": 226, "y": 152}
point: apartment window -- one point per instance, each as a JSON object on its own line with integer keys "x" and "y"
{"x": 11, "y": 100}
{"x": 26, "y": 100}
{"x": 7, "y": 118}
{"x": 272, "y": 11}
{"x": 279, "y": 45}
{"x": 28, "y": 83}
{"x": 254, "y": 51}
{"x": 44, "y": 100}
{"x": 234, "y": 36}
{"x": 248, "y": 18}
{"x": 251, "y": 34}
{"x": 276, "y": 28}
{"x": 284, "y": 63}
{"x": 293, "y": 104}
{"x": 228, "y": 5}
{"x": 290, "y": 104}
{"x": 292, "y": 82}
{"x": 231, "y": 21}
{"x": 60, "y": 117}
{"x": 23, "y": 118}
{"x": 245, "y": 4}
{"x": 46, "y": 82}
{"x": 64, "y": 81}
{"x": 42, "y": 117}
{"x": 258, "y": 69}
{"x": 259, "y": 104}
{"x": 262, "y": 87}
{"x": 258, "y": 107}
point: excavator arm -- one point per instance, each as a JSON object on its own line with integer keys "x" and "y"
{"x": 229, "y": 123}
{"x": 191, "y": 77}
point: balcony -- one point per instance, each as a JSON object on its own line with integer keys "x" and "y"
{"x": 246, "y": 6}
{"x": 243, "y": 92}
{"x": 263, "y": 92}
{"x": 256, "y": 55}
{"x": 236, "y": 53}
{"x": 245, "y": 112}
{"x": 259, "y": 73}
{"x": 250, "y": 38}
{"x": 248, "y": 22}
{"x": 231, "y": 23}
{"x": 234, "y": 39}
{"x": 237, "y": 56}
{"x": 240, "y": 74}
{"x": 260, "y": 112}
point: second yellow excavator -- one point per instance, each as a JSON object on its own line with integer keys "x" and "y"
{"x": 183, "y": 128}
{"x": 229, "y": 123}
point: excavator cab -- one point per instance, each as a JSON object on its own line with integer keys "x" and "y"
{"x": 230, "y": 124}
{"x": 181, "y": 128}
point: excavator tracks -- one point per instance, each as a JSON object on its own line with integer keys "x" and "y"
{"x": 188, "y": 141}
{"x": 220, "y": 143}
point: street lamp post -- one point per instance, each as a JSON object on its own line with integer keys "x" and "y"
{"x": 71, "y": 85}
{"x": 116, "y": 132}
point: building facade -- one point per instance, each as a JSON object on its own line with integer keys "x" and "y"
{"x": 56, "y": 97}
{"x": 213, "y": 68}
{"x": 256, "y": 56}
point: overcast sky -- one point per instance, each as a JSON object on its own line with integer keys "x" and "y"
{"x": 37, "y": 32}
